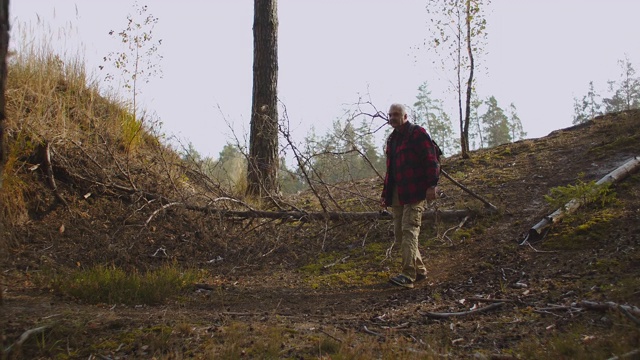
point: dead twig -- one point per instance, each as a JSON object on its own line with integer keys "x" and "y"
{"x": 25, "y": 335}
{"x": 336, "y": 262}
{"x": 331, "y": 336}
{"x": 50, "y": 177}
{"x": 146, "y": 223}
{"x": 479, "y": 299}
{"x": 455, "y": 228}
{"x": 536, "y": 250}
{"x": 372, "y": 332}
{"x": 629, "y": 311}
{"x": 435, "y": 315}
{"x": 630, "y": 354}
{"x": 397, "y": 327}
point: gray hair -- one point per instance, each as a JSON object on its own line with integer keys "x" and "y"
{"x": 399, "y": 106}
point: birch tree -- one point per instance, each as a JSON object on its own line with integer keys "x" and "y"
{"x": 458, "y": 35}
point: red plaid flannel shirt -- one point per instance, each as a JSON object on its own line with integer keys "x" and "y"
{"x": 413, "y": 167}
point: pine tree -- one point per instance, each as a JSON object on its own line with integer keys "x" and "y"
{"x": 587, "y": 108}
{"x": 424, "y": 107}
{"x": 626, "y": 91}
{"x": 496, "y": 124}
{"x": 262, "y": 171}
{"x": 475, "y": 126}
{"x": 515, "y": 125}
{"x": 428, "y": 113}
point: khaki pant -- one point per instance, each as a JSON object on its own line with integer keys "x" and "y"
{"x": 406, "y": 228}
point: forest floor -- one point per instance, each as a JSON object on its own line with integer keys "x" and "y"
{"x": 321, "y": 290}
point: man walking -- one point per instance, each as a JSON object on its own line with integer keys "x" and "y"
{"x": 412, "y": 175}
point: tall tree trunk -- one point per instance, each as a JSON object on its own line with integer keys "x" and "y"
{"x": 4, "y": 45}
{"x": 262, "y": 172}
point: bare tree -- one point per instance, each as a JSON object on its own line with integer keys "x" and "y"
{"x": 458, "y": 33}
{"x": 262, "y": 171}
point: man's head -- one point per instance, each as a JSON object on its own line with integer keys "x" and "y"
{"x": 397, "y": 115}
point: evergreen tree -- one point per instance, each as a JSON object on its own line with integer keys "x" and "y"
{"x": 424, "y": 107}
{"x": 428, "y": 113}
{"x": 475, "y": 126}
{"x": 367, "y": 144}
{"x": 515, "y": 125}
{"x": 626, "y": 91}
{"x": 290, "y": 181}
{"x": 230, "y": 170}
{"x": 496, "y": 124}
{"x": 344, "y": 153}
{"x": 442, "y": 132}
{"x": 587, "y": 108}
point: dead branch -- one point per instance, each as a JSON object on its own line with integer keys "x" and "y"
{"x": 455, "y": 228}
{"x": 468, "y": 191}
{"x": 331, "y": 336}
{"x": 50, "y": 177}
{"x": 536, "y": 250}
{"x": 630, "y": 354}
{"x": 333, "y": 215}
{"x": 126, "y": 174}
{"x": 613, "y": 177}
{"x": 404, "y": 325}
{"x": 434, "y": 315}
{"x": 371, "y": 332}
{"x": 25, "y": 335}
{"x": 204, "y": 287}
{"x": 336, "y": 262}
{"x": 628, "y": 311}
{"x": 299, "y": 159}
{"x": 480, "y": 299}
{"x": 286, "y": 215}
{"x": 146, "y": 223}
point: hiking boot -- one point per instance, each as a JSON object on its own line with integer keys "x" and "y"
{"x": 420, "y": 277}
{"x": 402, "y": 280}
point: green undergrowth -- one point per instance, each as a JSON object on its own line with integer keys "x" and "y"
{"x": 583, "y": 230}
{"x": 585, "y": 192}
{"x": 362, "y": 265}
{"x": 111, "y": 285}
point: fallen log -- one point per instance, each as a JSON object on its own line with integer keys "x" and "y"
{"x": 613, "y": 177}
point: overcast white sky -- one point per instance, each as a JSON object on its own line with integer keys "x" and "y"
{"x": 541, "y": 54}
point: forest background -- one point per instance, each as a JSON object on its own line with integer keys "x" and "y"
{"x": 347, "y": 146}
